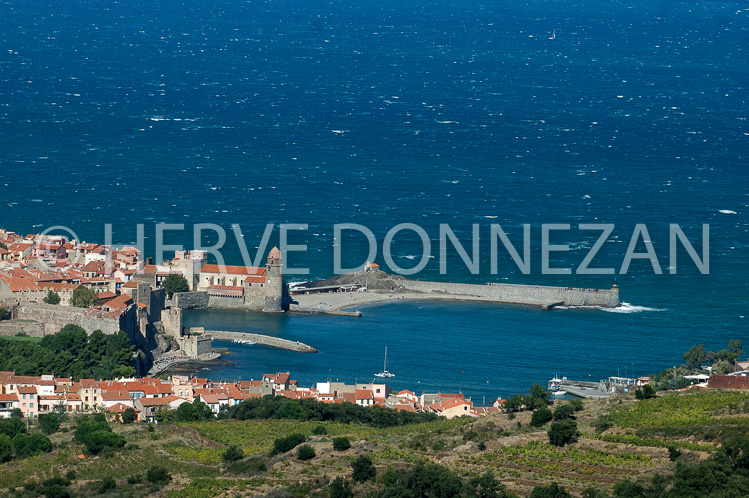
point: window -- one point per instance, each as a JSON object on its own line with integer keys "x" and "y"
{"x": 31, "y": 405}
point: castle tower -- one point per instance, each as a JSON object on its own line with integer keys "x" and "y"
{"x": 274, "y": 283}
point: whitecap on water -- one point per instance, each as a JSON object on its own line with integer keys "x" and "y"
{"x": 630, "y": 308}
{"x": 727, "y": 211}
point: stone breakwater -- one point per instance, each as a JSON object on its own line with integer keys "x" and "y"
{"x": 536, "y": 295}
{"x": 265, "y": 340}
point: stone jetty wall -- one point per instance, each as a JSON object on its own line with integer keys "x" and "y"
{"x": 524, "y": 294}
{"x": 265, "y": 340}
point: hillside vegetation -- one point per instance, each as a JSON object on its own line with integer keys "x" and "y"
{"x": 676, "y": 444}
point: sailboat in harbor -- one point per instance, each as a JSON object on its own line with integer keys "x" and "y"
{"x": 385, "y": 373}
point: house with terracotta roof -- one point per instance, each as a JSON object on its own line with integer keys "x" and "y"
{"x": 279, "y": 380}
{"x": 28, "y": 401}
{"x": 89, "y": 393}
{"x": 214, "y": 401}
{"x": 115, "y": 412}
{"x": 148, "y": 406}
{"x": 116, "y": 397}
{"x": 364, "y": 397}
{"x": 452, "y": 408}
{"x": 8, "y": 402}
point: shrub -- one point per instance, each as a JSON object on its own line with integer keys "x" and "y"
{"x": 284, "y": 444}
{"x": 425, "y": 479}
{"x": 246, "y": 466}
{"x": 363, "y": 468}
{"x": 49, "y": 423}
{"x": 577, "y": 404}
{"x": 482, "y": 446}
{"x": 540, "y": 417}
{"x": 341, "y": 443}
{"x": 340, "y": 488}
{"x": 603, "y": 423}
{"x": 6, "y": 448}
{"x": 563, "y": 432}
{"x": 553, "y": 490}
{"x": 101, "y": 440}
{"x": 70, "y": 475}
{"x": 136, "y": 479}
{"x": 673, "y": 453}
{"x": 319, "y": 430}
{"x": 305, "y": 452}
{"x": 648, "y": 391}
{"x": 232, "y": 454}
{"x": 563, "y": 412}
{"x": 158, "y": 475}
{"x": 106, "y": 484}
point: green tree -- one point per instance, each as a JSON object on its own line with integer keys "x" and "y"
{"x": 21, "y": 445}
{"x": 486, "y": 486}
{"x": 646, "y": 392}
{"x": 363, "y": 469}
{"x": 553, "y": 490}
{"x": 83, "y": 297}
{"x": 232, "y": 454}
{"x": 305, "y": 452}
{"x": 164, "y": 415}
{"x": 319, "y": 430}
{"x": 52, "y": 297}
{"x": 6, "y": 448}
{"x": 564, "y": 411}
{"x": 175, "y": 283}
{"x": 49, "y": 422}
{"x": 12, "y": 426}
{"x": 727, "y": 356}
{"x": 39, "y": 443}
{"x": 563, "y": 432}
{"x": 186, "y": 412}
{"x": 128, "y": 416}
{"x": 735, "y": 347}
{"x": 4, "y": 313}
{"x": 695, "y": 356}
{"x": 99, "y": 440}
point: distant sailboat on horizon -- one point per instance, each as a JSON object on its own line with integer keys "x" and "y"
{"x": 385, "y": 373}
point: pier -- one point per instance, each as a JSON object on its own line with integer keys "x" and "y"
{"x": 264, "y": 340}
{"x": 581, "y": 389}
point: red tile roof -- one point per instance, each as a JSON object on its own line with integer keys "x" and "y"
{"x": 233, "y": 270}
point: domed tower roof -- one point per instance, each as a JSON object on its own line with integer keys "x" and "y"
{"x": 275, "y": 253}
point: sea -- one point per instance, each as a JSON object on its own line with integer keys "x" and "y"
{"x": 382, "y": 113}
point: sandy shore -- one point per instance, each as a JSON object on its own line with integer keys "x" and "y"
{"x": 352, "y": 300}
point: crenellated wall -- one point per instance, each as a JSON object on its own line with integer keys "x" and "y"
{"x": 190, "y": 300}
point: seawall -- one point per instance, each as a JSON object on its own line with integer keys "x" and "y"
{"x": 536, "y": 295}
{"x": 265, "y": 340}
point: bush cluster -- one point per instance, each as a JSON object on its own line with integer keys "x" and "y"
{"x": 278, "y": 407}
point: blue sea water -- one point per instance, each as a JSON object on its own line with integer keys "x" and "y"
{"x": 382, "y": 113}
